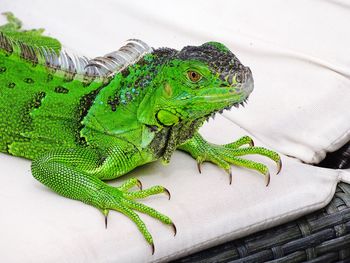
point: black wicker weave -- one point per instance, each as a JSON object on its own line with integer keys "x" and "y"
{"x": 323, "y": 236}
{"x": 339, "y": 159}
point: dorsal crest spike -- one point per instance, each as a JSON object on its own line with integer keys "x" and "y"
{"x": 116, "y": 61}
{"x": 78, "y": 67}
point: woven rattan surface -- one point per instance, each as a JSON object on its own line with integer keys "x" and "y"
{"x": 323, "y": 236}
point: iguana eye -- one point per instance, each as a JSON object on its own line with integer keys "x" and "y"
{"x": 194, "y": 76}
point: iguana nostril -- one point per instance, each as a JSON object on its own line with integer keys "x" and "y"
{"x": 239, "y": 77}
{"x": 230, "y": 79}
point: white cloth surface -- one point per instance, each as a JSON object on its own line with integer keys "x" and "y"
{"x": 298, "y": 52}
{"x": 38, "y": 225}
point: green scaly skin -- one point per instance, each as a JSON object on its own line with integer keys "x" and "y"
{"x": 80, "y": 135}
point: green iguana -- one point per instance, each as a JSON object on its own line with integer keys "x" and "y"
{"x": 83, "y": 121}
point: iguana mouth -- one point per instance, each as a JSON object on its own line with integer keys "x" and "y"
{"x": 228, "y": 108}
{"x": 242, "y": 90}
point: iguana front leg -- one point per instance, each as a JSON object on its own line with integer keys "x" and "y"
{"x": 226, "y": 155}
{"x": 77, "y": 173}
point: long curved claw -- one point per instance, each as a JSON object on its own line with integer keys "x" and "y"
{"x": 267, "y": 178}
{"x": 153, "y": 248}
{"x": 199, "y": 167}
{"x": 174, "y": 228}
{"x": 229, "y": 174}
{"x": 139, "y": 184}
{"x": 105, "y": 213}
{"x": 279, "y": 166}
{"x": 166, "y": 191}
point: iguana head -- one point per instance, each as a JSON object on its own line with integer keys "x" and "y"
{"x": 195, "y": 83}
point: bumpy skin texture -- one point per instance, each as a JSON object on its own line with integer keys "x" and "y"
{"x": 80, "y": 134}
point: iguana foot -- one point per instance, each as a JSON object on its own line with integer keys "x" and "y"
{"x": 226, "y": 155}
{"x": 72, "y": 173}
{"x": 122, "y": 200}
